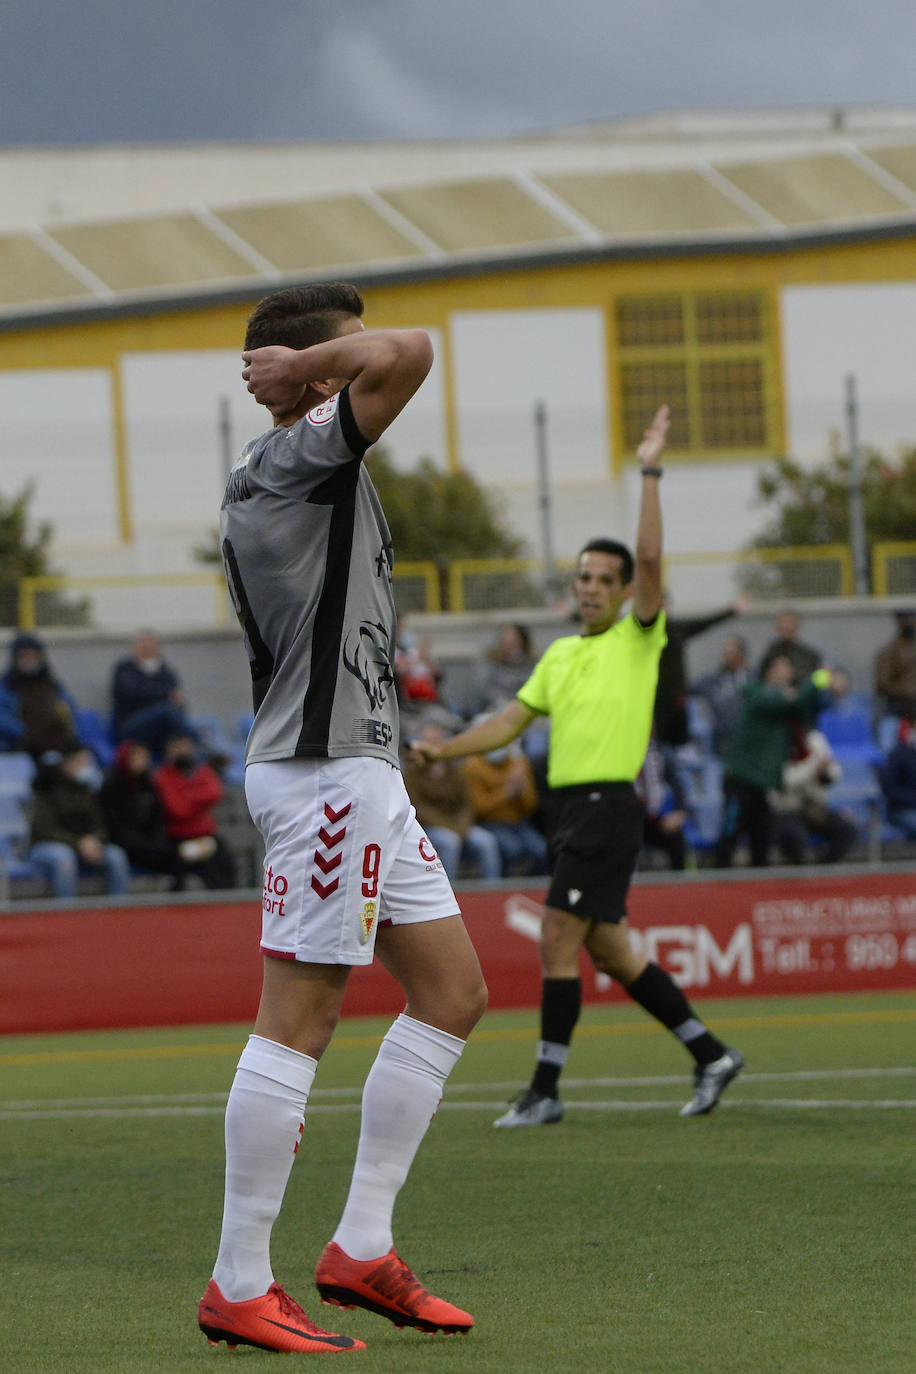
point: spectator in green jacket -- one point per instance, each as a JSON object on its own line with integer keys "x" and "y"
{"x": 761, "y": 744}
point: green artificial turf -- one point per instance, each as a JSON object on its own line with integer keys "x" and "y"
{"x": 774, "y": 1236}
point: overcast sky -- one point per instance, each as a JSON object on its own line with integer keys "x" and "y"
{"x": 90, "y": 71}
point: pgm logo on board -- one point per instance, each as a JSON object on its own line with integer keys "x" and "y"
{"x": 323, "y": 414}
{"x": 690, "y": 953}
{"x": 692, "y": 956}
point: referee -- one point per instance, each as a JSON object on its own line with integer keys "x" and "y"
{"x": 598, "y": 689}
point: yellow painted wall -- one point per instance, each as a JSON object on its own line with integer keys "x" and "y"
{"x": 100, "y": 343}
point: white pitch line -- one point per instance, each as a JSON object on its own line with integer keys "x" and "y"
{"x": 608, "y": 1105}
{"x": 207, "y": 1104}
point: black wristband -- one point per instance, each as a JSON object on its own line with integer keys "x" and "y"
{"x": 652, "y": 472}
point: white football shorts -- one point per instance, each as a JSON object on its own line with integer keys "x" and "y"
{"x": 344, "y": 852}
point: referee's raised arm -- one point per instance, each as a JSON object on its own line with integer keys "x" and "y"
{"x": 647, "y": 576}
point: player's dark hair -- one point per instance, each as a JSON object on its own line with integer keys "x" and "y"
{"x": 613, "y": 546}
{"x": 299, "y": 316}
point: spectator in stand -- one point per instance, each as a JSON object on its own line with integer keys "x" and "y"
{"x": 898, "y": 780}
{"x": 670, "y": 726}
{"x": 136, "y": 820}
{"x": 417, "y": 679}
{"x": 441, "y": 796}
{"x": 507, "y": 666}
{"x": 417, "y": 670}
{"x": 804, "y": 659}
{"x": 69, "y": 835}
{"x": 189, "y": 790}
{"x": 759, "y": 749}
{"x": 504, "y": 796}
{"x": 147, "y": 700}
{"x": 37, "y": 713}
{"x": 659, "y": 789}
{"x": 723, "y": 691}
{"x": 895, "y": 669}
{"x": 801, "y": 807}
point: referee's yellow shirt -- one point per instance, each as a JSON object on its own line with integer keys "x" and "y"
{"x": 599, "y": 692}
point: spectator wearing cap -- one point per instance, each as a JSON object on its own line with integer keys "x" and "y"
{"x": 37, "y": 713}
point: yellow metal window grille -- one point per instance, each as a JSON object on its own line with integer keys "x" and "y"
{"x": 650, "y": 321}
{"x": 643, "y": 388}
{"x": 711, "y": 356}
{"x": 732, "y": 404}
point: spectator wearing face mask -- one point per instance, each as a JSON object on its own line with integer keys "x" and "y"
{"x": 895, "y": 668}
{"x": 147, "y": 700}
{"x": 189, "y": 789}
{"x": 69, "y": 834}
{"x": 37, "y": 713}
{"x": 136, "y": 820}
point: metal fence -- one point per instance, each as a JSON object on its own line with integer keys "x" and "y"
{"x": 195, "y": 600}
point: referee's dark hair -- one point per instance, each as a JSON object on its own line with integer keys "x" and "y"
{"x": 299, "y": 316}
{"x": 613, "y": 546}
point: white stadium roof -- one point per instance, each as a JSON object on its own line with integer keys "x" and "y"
{"x": 105, "y": 229}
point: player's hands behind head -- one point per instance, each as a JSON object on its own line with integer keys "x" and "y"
{"x": 274, "y": 377}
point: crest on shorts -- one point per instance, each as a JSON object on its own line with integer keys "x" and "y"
{"x": 367, "y": 921}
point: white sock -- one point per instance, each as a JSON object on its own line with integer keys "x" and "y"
{"x": 264, "y": 1121}
{"x": 402, "y": 1092}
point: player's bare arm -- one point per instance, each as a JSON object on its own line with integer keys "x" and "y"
{"x": 384, "y": 369}
{"x": 500, "y": 729}
{"x": 647, "y": 578}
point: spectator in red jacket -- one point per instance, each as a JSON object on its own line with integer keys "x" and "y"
{"x": 189, "y": 790}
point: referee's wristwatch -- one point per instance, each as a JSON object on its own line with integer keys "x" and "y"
{"x": 652, "y": 472}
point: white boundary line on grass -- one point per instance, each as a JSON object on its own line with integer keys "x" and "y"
{"x": 213, "y": 1104}
{"x": 327, "y": 1109}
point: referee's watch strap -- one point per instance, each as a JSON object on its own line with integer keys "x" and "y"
{"x": 652, "y": 472}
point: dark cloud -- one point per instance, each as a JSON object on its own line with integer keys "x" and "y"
{"x": 106, "y": 71}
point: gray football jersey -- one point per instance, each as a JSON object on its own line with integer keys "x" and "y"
{"x": 308, "y": 558}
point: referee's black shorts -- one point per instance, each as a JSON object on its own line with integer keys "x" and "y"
{"x": 595, "y": 834}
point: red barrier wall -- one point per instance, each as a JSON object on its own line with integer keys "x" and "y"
{"x": 197, "y": 962}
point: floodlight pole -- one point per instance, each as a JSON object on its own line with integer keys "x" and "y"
{"x": 858, "y": 540}
{"x": 543, "y": 478}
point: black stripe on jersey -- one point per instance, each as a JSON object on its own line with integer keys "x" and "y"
{"x": 348, "y": 425}
{"x": 260, "y": 659}
{"x": 327, "y": 630}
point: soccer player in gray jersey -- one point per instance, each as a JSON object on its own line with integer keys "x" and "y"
{"x": 348, "y": 871}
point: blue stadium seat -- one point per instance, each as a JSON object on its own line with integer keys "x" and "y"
{"x": 16, "y": 774}
{"x": 241, "y": 728}
{"x": 701, "y": 779}
{"x": 14, "y": 838}
{"x": 887, "y": 733}
{"x": 849, "y": 731}
{"x": 700, "y": 722}
{"x": 95, "y": 732}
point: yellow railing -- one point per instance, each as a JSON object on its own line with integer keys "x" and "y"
{"x": 31, "y": 587}
{"x": 427, "y": 575}
{"x": 481, "y": 584}
{"x": 893, "y": 568}
{"x": 834, "y": 560}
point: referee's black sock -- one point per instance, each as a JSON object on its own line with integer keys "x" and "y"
{"x": 659, "y": 995}
{"x": 561, "y": 1002}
